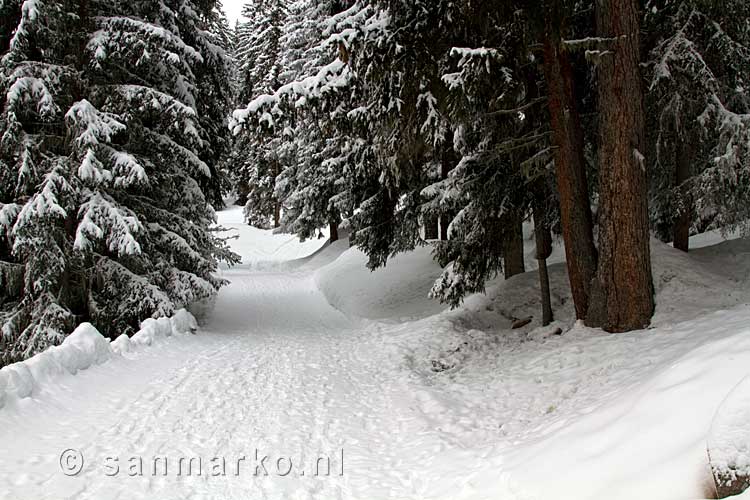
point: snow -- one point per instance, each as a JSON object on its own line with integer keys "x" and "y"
{"x": 729, "y": 440}
{"x": 382, "y": 294}
{"x": 307, "y": 353}
{"x": 100, "y": 216}
{"x": 84, "y": 348}
{"x": 263, "y": 248}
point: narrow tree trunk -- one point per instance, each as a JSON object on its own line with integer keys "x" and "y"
{"x": 543, "y": 239}
{"x": 681, "y": 230}
{"x": 277, "y": 206}
{"x": 277, "y": 215}
{"x": 445, "y": 219}
{"x": 567, "y": 135}
{"x": 622, "y": 296}
{"x": 513, "y": 255}
{"x": 334, "y": 231}
{"x": 547, "y": 315}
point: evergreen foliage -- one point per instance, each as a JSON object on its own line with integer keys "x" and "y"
{"x": 110, "y": 133}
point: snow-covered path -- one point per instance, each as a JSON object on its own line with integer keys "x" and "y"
{"x": 276, "y": 370}
{"x": 286, "y": 378}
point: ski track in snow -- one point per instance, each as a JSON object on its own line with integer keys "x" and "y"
{"x": 277, "y": 369}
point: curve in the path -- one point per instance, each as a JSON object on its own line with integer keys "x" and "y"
{"x": 276, "y": 371}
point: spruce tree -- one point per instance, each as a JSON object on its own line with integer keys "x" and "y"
{"x": 697, "y": 80}
{"x": 295, "y": 131}
{"x": 259, "y": 162}
{"x": 103, "y": 215}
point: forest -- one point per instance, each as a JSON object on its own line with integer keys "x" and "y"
{"x": 375, "y": 249}
{"x": 403, "y": 123}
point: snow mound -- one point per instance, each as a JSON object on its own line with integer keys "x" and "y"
{"x": 182, "y": 322}
{"x": 585, "y": 414}
{"x": 82, "y": 349}
{"x": 92, "y": 348}
{"x": 152, "y": 329}
{"x": 729, "y": 442}
{"x": 122, "y": 345}
{"x": 260, "y": 248}
{"x": 397, "y": 291}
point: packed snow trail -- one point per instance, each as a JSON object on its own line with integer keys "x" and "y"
{"x": 276, "y": 370}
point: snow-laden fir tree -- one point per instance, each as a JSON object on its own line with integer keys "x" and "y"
{"x": 259, "y": 56}
{"x": 208, "y": 30}
{"x": 298, "y": 127}
{"x": 408, "y": 116}
{"x": 501, "y": 141}
{"x": 102, "y": 216}
{"x": 698, "y": 80}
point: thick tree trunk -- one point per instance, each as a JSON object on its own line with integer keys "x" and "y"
{"x": 445, "y": 221}
{"x": 681, "y": 230}
{"x": 243, "y": 191}
{"x": 513, "y": 255}
{"x": 622, "y": 297}
{"x": 567, "y": 135}
{"x": 334, "y": 231}
{"x": 543, "y": 251}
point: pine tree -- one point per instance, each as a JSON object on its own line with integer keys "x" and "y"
{"x": 502, "y": 142}
{"x": 39, "y": 202}
{"x": 299, "y": 126}
{"x": 259, "y": 162}
{"x": 697, "y": 80}
{"x": 212, "y": 38}
{"x": 103, "y": 218}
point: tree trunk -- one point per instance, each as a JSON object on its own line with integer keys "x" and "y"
{"x": 334, "y": 231}
{"x": 543, "y": 239}
{"x": 277, "y": 215}
{"x": 430, "y": 228}
{"x": 567, "y": 136}
{"x": 681, "y": 230}
{"x": 277, "y": 206}
{"x": 622, "y": 297}
{"x": 445, "y": 219}
{"x": 243, "y": 191}
{"x": 513, "y": 255}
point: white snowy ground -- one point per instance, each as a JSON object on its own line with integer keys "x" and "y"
{"x": 307, "y": 358}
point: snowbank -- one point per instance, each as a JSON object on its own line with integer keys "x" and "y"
{"x": 729, "y": 441}
{"x": 261, "y": 248}
{"x": 397, "y": 291}
{"x": 582, "y": 414}
{"x": 82, "y": 349}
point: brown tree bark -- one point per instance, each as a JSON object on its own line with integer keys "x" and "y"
{"x": 513, "y": 262}
{"x": 543, "y": 239}
{"x": 622, "y": 296}
{"x": 334, "y": 231}
{"x": 681, "y": 229}
{"x": 567, "y": 137}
